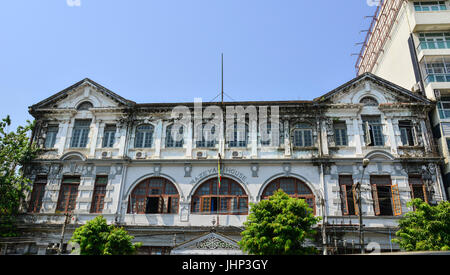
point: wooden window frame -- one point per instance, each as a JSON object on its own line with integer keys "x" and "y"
{"x": 205, "y": 200}
{"x": 345, "y": 190}
{"x": 69, "y": 202}
{"x": 277, "y": 182}
{"x": 146, "y": 186}
{"x": 99, "y": 195}
{"x": 396, "y": 208}
{"x": 412, "y": 185}
{"x": 37, "y": 194}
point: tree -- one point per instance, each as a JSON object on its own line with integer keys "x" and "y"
{"x": 425, "y": 228}
{"x": 16, "y": 150}
{"x": 279, "y": 226}
{"x": 96, "y": 237}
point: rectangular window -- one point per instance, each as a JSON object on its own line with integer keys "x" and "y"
{"x": 238, "y": 139}
{"x": 418, "y": 188}
{"x": 437, "y": 40}
{"x": 109, "y": 136}
{"x": 430, "y": 6}
{"x": 386, "y": 197}
{"x": 340, "y": 134}
{"x": 98, "y": 197}
{"x": 80, "y": 133}
{"x": 68, "y": 194}
{"x": 406, "y": 132}
{"x": 443, "y": 109}
{"x": 302, "y": 136}
{"x": 348, "y": 195}
{"x": 50, "y": 139}
{"x": 37, "y": 194}
{"x": 373, "y": 131}
{"x": 170, "y": 141}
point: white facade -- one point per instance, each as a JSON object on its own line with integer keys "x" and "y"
{"x": 317, "y": 166}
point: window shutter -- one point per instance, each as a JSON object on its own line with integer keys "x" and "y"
{"x": 344, "y": 199}
{"x": 425, "y": 193}
{"x": 396, "y": 200}
{"x": 415, "y": 136}
{"x": 161, "y": 204}
{"x": 376, "y": 202}
{"x": 355, "y": 199}
{"x": 368, "y": 140}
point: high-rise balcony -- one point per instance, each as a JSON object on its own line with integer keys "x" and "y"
{"x": 436, "y": 69}
{"x": 429, "y": 15}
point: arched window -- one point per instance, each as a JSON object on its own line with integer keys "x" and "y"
{"x": 152, "y": 196}
{"x": 144, "y": 136}
{"x": 293, "y": 187}
{"x": 302, "y": 135}
{"x": 84, "y": 106}
{"x": 205, "y": 138}
{"x": 231, "y": 199}
{"x": 170, "y": 141}
{"x": 369, "y": 101}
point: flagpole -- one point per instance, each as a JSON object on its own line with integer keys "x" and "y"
{"x": 218, "y": 189}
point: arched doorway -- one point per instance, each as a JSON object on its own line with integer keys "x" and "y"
{"x": 155, "y": 195}
{"x": 231, "y": 199}
{"x": 293, "y": 187}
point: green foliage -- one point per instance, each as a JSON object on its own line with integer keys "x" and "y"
{"x": 426, "y": 228}
{"x": 96, "y": 237}
{"x": 15, "y": 152}
{"x": 279, "y": 226}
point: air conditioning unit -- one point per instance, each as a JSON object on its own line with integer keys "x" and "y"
{"x": 202, "y": 154}
{"x": 106, "y": 155}
{"x": 140, "y": 155}
{"x": 416, "y": 88}
{"x": 437, "y": 94}
{"x": 236, "y": 154}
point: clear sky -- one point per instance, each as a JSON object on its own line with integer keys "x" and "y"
{"x": 169, "y": 50}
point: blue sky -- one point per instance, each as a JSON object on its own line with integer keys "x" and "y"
{"x": 169, "y": 50}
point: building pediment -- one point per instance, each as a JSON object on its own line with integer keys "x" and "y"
{"x": 208, "y": 244}
{"x": 367, "y": 84}
{"x": 85, "y": 90}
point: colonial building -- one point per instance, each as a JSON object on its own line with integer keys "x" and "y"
{"x": 105, "y": 155}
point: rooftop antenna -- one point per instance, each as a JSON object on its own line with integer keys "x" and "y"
{"x": 222, "y": 80}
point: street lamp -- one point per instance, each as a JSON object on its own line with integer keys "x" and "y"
{"x": 365, "y": 163}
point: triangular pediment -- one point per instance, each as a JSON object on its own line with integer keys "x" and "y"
{"x": 84, "y": 90}
{"x": 210, "y": 243}
{"x": 371, "y": 85}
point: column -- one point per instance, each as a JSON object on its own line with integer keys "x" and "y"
{"x": 158, "y": 137}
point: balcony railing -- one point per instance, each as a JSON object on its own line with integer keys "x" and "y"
{"x": 437, "y": 78}
{"x": 432, "y": 45}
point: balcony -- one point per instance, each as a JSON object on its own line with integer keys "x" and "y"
{"x": 429, "y": 17}
{"x": 436, "y": 69}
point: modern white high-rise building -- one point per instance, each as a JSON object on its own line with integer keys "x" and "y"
{"x": 408, "y": 43}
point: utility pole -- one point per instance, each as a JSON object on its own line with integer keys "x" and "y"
{"x": 324, "y": 232}
{"x": 361, "y": 233}
{"x": 68, "y": 216}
